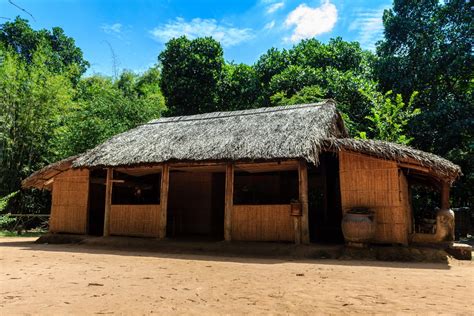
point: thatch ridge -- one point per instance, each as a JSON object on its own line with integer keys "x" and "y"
{"x": 226, "y": 114}
{"x": 396, "y": 152}
{"x": 282, "y": 132}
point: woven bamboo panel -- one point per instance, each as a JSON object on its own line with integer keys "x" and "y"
{"x": 262, "y": 223}
{"x": 375, "y": 183}
{"x": 135, "y": 220}
{"x": 69, "y": 203}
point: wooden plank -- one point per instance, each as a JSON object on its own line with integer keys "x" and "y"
{"x": 303, "y": 196}
{"x": 413, "y": 166}
{"x": 164, "y": 188}
{"x": 284, "y": 165}
{"x": 229, "y": 201}
{"x": 108, "y": 201}
{"x": 201, "y": 169}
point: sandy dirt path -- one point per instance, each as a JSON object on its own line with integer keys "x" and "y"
{"x": 73, "y": 279}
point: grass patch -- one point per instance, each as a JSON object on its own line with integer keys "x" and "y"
{"x": 33, "y": 233}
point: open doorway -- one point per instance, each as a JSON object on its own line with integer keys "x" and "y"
{"x": 324, "y": 197}
{"x": 425, "y": 199}
{"x": 196, "y": 202}
{"x": 96, "y": 202}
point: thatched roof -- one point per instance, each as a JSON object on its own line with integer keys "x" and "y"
{"x": 276, "y": 133}
{"x": 39, "y": 179}
{"x": 441, "y": 167}
{"x": 266, "y": 133}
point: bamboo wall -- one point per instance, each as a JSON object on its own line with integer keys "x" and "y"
{"x": 262, "y": 223}
{"x": 135, "y": 220}
{"x": 69, "y": 203}
{"x": 376, "y": 184}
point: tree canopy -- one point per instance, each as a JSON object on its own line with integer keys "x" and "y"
{"x": 428, "y": 48}
{"x": 62, "y": 54}
{"x": 190, "y": 74}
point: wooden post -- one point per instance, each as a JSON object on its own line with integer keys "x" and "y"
{"x": 229, "y": 200}
{"x": 297, "y": 225}
{"x": 108, "y": 200}
{"x": 303, "y": 196}
{"x": 445, "y": 196}
{"x": 164, "y": 188}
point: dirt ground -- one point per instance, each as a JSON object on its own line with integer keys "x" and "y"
{"x": 74, "y": 279}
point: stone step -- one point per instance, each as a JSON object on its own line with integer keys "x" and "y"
{"x": 460, "y": 251}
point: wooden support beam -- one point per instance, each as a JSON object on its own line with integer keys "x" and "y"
{"x": 108, "y": 201}
{"x": 445, "y": 196}
{"x": 165, "y": 180}
{"x": 303, "y": 197}
{"x": 229, "y": 201}
{"x": 50, "y": 181}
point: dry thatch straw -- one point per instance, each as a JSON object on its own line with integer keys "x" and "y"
{"x": 391, "y": 151}
{"x": 284, "y": 132}
{"x": 40, "y": 177}
{"x": 267, "y": 133}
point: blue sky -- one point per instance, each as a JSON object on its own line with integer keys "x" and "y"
{"x": 137, "y": 30}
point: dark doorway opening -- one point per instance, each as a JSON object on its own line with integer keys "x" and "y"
{"x": 96, "y": 202}
{"x": 324, "y": 197}
{"x": 196, "y": 202}
{"x": 425, "y": 199}
{"x": 136, "y": 188}
{"x": 264, "y": 188}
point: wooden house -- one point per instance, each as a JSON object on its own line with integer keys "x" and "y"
{"x": 272, "y": 174}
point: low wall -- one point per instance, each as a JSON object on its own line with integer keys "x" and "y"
{"x": 135, "y": 220}
{"x": 262, "y": 223}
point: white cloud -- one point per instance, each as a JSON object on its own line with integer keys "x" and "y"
{"x": 310, "y": 22}
{"x": 275, "y": 7}
{"x": 227, "y": 35}
{"x": 369, "y": 27}
{"x": 115, "y": 28}
{"x": 269, "y": 25}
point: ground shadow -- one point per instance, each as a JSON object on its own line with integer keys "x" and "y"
{"x": 239, "y": 252}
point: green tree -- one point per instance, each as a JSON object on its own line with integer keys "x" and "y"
{"x": 389, "y": 117}
{"x": 338, "y": 54}
{"x": 298, "y": 84}
{"x": 428, "y": 48}
{"x": 63, "y": 56}
{"x": 309, "y": 94}
{"x": 239, "y": 88}
{"x": 191, "y": 70}
{"x": 293, "y": 79}
{"x": 32, "y": 101}
{"x": 105, "y": 108}
{"x": 339, "y": 68}
{"x": 270, "y": 64}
